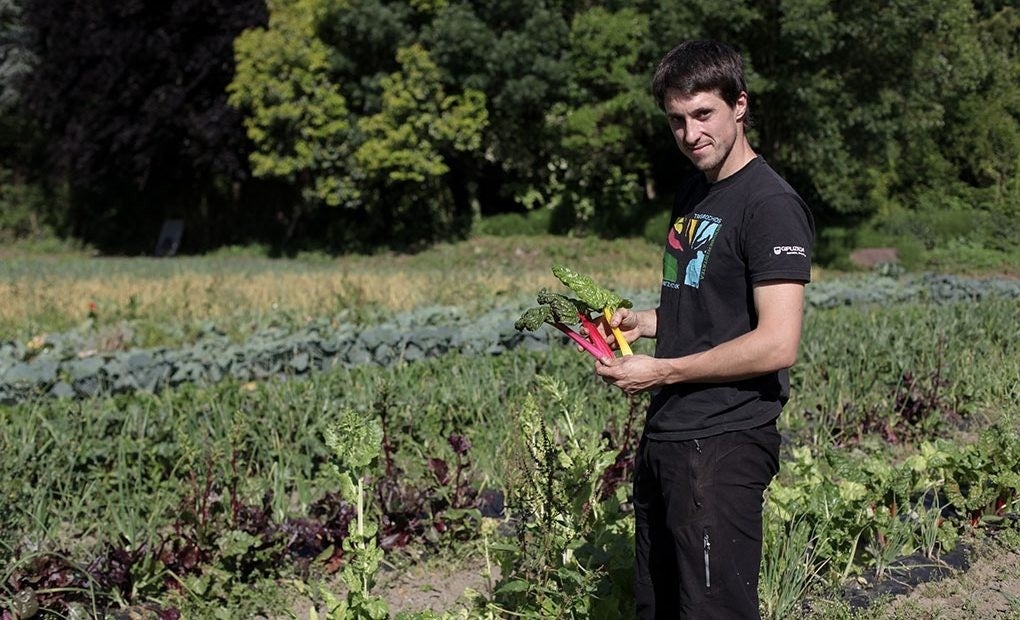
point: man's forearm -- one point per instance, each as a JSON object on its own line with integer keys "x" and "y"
{"x": 771, "y": 346}
{"x": 751, "y": 355}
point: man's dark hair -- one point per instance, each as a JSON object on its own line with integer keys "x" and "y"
{"x": 697, "y": 67}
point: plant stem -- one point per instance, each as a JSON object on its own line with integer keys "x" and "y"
{"x": 361, "y": 508}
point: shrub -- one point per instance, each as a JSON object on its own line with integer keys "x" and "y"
{"x": 534, "y": 222}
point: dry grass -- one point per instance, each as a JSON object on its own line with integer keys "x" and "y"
{"x": 53, "y": 295}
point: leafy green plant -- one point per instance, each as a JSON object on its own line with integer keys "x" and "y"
{"x": 868, "y": 511}
{"x": 114, "y": 471}
{"x": 569, "y": 556}
{"x": 892, "y": 539}
{"x": 354, "y": 442}
{"x": 931, "y": 535}
{"x": 983, "y": 478}
{"x": 299, "y": 123}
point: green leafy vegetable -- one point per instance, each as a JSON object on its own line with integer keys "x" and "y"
{"x": 596, "y": 297}
{"x": 560, "y": 312}
{"x": 564, "y": 309}
{"x": 533, "y": 318}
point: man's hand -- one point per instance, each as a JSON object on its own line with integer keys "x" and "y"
{"x": 631, "y": 373}
{"x": 631, "y": 323}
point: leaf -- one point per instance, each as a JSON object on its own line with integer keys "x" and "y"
{"x": 564, "y": 309}
{"x": 514, "y": 585}
{"x": 533, "y": 318}
{"x": 237, "y": 543}
{"x": 594, "y": 296}
{"x": 325, "y": 554}
{"x": 355, "y": 440}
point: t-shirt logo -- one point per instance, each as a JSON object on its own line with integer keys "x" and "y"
{"x": 688, "y": 247}
{"x": 789, "y": 250}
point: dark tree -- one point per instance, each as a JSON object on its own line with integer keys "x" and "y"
{"x": 133, "y": 98}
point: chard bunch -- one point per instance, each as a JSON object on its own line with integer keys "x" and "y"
{"x": 564, "y": 312}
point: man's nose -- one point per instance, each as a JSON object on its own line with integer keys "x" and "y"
{"x": 691, "y": 134}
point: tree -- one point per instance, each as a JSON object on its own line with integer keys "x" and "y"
{"x": 379, "y": 171}
{"x": 16, "y": 59}
{"x": 409, "y": 147}
{"x": 514, "y": 52}
{"x": 295, "y": 114}
{"x": 599, "y": 173}
{"x": 132, "y": 98}
{"x": 983, "y": 137}
{"x": 25, "y": 208}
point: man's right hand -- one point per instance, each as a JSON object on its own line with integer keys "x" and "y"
{"x": 633, "y": 324}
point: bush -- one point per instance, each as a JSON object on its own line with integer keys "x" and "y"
{"x": 535, "y": 222}
{"x": 22, "y": 213}
{"x": 955, "y": 235}
{"x": 655, "y": 227}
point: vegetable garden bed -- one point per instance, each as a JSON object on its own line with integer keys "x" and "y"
{"x": 209, "y": 485}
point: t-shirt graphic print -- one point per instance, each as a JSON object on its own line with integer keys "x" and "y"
{"x": 690, "y": 241}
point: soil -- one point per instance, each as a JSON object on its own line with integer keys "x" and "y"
{"x": 436, "y": 585}
{"x": 435, "y": 588}
{"x": 904, "y": 575}
{"x": 989, "y": 588}
{"x": 977, "y": 581}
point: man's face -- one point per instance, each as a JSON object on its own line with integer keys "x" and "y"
{"x": 706, "y": 129}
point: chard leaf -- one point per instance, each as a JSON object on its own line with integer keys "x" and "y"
{"x": 564, "y": 309}
{"x": 596, "y": 297}
{"x": 533, "y": 318}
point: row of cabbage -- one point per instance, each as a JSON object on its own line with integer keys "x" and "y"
{"x": 68, "y": 364}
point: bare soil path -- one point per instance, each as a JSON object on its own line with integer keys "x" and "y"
{"x": 989, "y": 589}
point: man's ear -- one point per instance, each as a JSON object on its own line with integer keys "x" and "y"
{"x": 740, "y": 107}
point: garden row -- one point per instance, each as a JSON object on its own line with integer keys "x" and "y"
{"x": 69, "y": 365}
{"x": 565, "y": 552}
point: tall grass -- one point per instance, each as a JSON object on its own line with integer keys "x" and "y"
{"x": 109, "y": 468}
{"x": 856, "y": 363}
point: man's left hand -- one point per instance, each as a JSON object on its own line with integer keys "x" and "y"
{"x": 631, "y": 373}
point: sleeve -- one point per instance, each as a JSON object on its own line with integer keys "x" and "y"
{"x": 779, "y": 237}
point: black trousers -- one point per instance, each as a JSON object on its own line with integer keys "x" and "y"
{"x": 698, "y": 511}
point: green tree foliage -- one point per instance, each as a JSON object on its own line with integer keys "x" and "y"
{"x": 295, "y": 114}
{"x": 884, "y": 110}
{"x": 384, "y": 162}
{"x": 597, "y": 175}
{"x": 16, "y": 59}
{"x": 409, "y": 146}
{"x": 396, "y": 122}
{"x": 984, "y": 127}
{"x": 514, "y": 53}
{"x": 25, "y": 209}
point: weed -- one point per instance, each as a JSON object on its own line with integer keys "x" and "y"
{"x": 789, "y": 567}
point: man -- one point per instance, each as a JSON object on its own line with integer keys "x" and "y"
{"x": 727, "y": 328}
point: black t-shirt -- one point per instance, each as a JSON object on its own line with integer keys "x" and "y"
{"x": 726, "y": 236}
